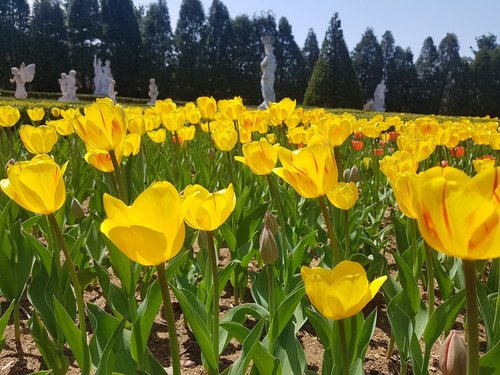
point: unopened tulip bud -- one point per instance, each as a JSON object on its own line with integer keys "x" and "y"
{"x": 211, "y": 154}
{"x": 202, "y": 239}
{"x": 267, "y": 246}
{"x": 271, "y": 222}
{"x": 367, "y": 162}
{"x": 76, "y": 209}
{"x": 346, "y": 175}
{"x": 453, "y": 355}
{"x": 354, "y": 175}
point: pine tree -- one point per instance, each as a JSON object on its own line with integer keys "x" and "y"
{"x": 486, "y": 76}
{"x": 368, "y": 62}
{"x": 334, "y": 82}
{"x": 310, "y": 51}
{"x": 403, "y": 79}
{"x": 122, "y": 44}
{"x": 388, "y": 46}
{"x": 246, "y": 60}
{"x": 189, "y": 41}
{"x": 291, "y": 73}
{"x": 217, "y": 58}
{"x": 430, "y": 86}
{"x": 84, "y": 31}
{"x": 159, "y": 54}
{"x": 49, "y": 45}
{"x": 14, "y": 25}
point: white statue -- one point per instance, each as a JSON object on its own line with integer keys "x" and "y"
{"x": 153, "y": 91}
{"x": 379, "y": 97}
{"x": 268, "y": 67}
{"x": 23, "y": 74}
{"x": 63, "y": 84}
{"x": 368, "y": 106}
{"x": 102, "y": 77}
{"x": 111, "y": 90}
{"x": 71, "y": 81}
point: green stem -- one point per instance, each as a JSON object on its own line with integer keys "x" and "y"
{"x": 472, "y": 318}
{"x": 215, "y": 298}
{"x": 230, "y": 166}
{"x": 403, "y": 368}
{"x": 343, "y": 345}
{"x": 17, "y": 330}
{"x": 281, "y": 213}
{"x": 347, "y": 240}
{"x": 337, "y": 256}
{"x": 122, "y": 190}
{"x": 270, "y": 287}
{"x": 169, "y": 312}
{"x": 74, "y": 281}
{"x": 430, "y": 277}
{"x": 338, "y": 161}
{"x": 496, "y": 320}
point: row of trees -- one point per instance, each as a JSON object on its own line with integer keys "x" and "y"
{"x": 215, "y": 55}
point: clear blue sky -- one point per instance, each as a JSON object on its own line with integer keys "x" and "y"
{"x": 410, "y": 21}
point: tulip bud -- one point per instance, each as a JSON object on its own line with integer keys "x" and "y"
{"x": 76, "y": 209}
{"x": 345, "y": 175}
{"x": 211, "y": 154}
{"x": 354, "y": 175}
{"x": 453, "y": 355}
{"x": 367, "y": 162}
{"x": 202, "y": 239}
{"x": 267, "y": 246}
{"x": 271, "y": 222}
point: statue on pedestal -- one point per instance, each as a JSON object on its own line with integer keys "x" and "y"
{"x": 153, "y": 91}
{"x": 21, "y": 76}
{"x": 268, "y": 67}
{"x": 111, "y": 90}
{"x": 63, "y": 84}
{"x": 379, "y": 97}
{"x": 102, "y": 76}
{"x": 72, "y": 86}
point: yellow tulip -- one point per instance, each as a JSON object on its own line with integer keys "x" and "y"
{"x": 70, "y": 113}
{"x": 151, "y": 230}
{"x": 311, "y": 171}
{"x": 187, "y": 133}
{"x": 225, "y": 138}
{"x": 100, "y": 160}
{"x": 207, "y": 106}
{"x": 131, "y": 145}
{"x": 343, "y": 195}
{"x": 401, "y": 186}
{"x": 296, "y": 135}
{"x": 38, "y": 140}
{"x": 104, "y": 125}
{"x": 231, "y": 109}
{"x": 36, "y": 185}
{"x": 56, "y": 112}
{"x": 483, "y": 163}
{"x": 208, "y": 211}
{"x": 136, "y": 125}
{"x": 341, "y": 292}
{"x": 271, "y": 138}
{"x": 456, "y": 214}
{"x": 422, "y": 148}
{"x": 36, "y": 114}
{"x": 280, "y": 112}
{"x": 259, "y": 156}
{"x": 165, "y": 106}
{"x": 175, "y": 120}
{"x": 62, "y": 126}
{"x": 158, "y": 136}
{"x": 193, "y": 115}
{"x": 400, "y": 161}
{"x": 334, "y": 129}
{"x": 9, "y": 116}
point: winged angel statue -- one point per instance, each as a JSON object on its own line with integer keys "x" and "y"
{"x": 23, "y": 74}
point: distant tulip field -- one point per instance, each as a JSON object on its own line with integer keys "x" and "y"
{"x": 330, "y": 219}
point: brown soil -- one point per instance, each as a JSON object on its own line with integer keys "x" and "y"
{"x": 23, "y": 359}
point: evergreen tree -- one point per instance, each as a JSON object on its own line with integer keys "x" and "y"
{"x": 189, "y": 41}
{"x": 368, "y": 62}
{"x": 388, "y": 46}
{"x": 291, "y": 73}
{"x": 334, "y": 82}
{"x": 218, "y": 50}
{"x": 246, "y": 61}
{"x": 159, "y": 54}
{"x": 485, "y": 69}
{"x": 430, "y": 86}
{"x": 265, "y": 25}
{"x": 48, "y": 45}
{"x": 122, "y": 44}
{"x": 310, "y": 51}
{"x": 454, "y": 70}
{"x": 84, "y": 32}
{"x": 403, "y": 79}
{"x": 14, "y": 25}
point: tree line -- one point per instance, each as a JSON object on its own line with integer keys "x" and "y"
{"x": 214, "y": 54}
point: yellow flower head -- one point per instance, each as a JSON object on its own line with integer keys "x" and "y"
{"x": 56, "y": 112}
{"x": 343, "y": 195}
{"x": 207, "y": 106}
{"x": 280, "y": 112}
{"x": 175, "y": 120}
{"x": 187, "y": 133}
{"x": 36, "y": 114}
{"x": 104, "y": 125}
{"x": 231, "y": 109}
{"x": 38, "y": 140}
{"x": 62, "y": 126}
{"x": 225, "y": 137}
{"x": 165, "y": 106}
{"x": 100, "y": 159}
{"x": 459, "y": 215}
{"x": 36, "y": 185}
{"x": 151, "y": 230}
{"x": 158, "y": 136}
{"x": 193, "y": 115}
{"x": 208, "y": 211}
{"x": 260, "y": 156}
{"x": 401, "y": 185}
{"x": 483, "y": 163}
{"x": 9, "y": 116}
{"x": 341, "y": 292}
{"x": 400, "y": 161}
{"x": 334, "y": 129}
{"x": 311, "y": 171}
